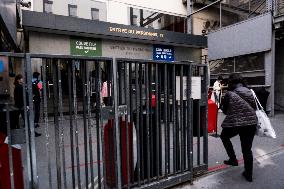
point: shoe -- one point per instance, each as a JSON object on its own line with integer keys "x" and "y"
{"x": 231, "y": 162}
{"x": 36, "y": 125}
{"x": 37, "y": 134}
{"x": 247, "y": 176}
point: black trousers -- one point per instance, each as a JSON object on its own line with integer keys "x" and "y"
{"x": 246, "y": 134}
{"x": 36, "y": 112}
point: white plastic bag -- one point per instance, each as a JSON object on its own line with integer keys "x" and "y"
{"x": 264, "y": 127}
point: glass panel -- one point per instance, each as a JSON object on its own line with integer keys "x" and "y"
{"x": 222, "y": 66}
{"x": 250, "y": 62}
{"x": 95, "y": 14}
{"x": 48, "y": 7}
{"x": 73, "y": 10}
{"x": 134, "y": 20}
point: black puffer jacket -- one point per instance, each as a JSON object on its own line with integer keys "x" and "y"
{"x": 239, "y": 106}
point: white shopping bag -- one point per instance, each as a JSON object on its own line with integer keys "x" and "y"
{"x": 264, "y": 127}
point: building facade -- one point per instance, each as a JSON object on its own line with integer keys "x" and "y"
{"x": 122, "y": 29}
{"x": 251, "y": 46}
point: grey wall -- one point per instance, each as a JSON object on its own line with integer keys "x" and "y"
{"x": 49, "y": 43}
{"x": 188, "y": 54}
{"x": 250, "y": 36}
{"x": 8, "y": 14}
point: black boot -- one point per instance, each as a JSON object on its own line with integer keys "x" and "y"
{"x": 247, "y": 176}
{"x": 231, "y": 162}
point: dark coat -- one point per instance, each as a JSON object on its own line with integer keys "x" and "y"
{"x": 18, "y": 96}
{"x": 239, "y": 106}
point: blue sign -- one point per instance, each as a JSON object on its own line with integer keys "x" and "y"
{"x": 1, "y": 66}
{"x": 163, "y": 52}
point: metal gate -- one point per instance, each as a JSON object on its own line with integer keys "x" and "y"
{"x": 111, "y": 123}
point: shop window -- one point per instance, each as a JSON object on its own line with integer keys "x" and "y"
{"x": 95, "y": 13}
{"x": 134, "y": 20}
{"x": 72, "y": 9}
{"x": 47, "y": 6}
{"x": 251, "y": 62}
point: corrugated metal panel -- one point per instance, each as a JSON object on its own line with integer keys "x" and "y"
{"x": 250, "y": 36}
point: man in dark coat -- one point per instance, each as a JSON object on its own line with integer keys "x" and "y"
{"x": 36, "y": 97}
{"x": 239, "y": 107}
{"x": 19, "y": 98}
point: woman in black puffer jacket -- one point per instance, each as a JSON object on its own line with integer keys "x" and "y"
{"x": 239, "y": 107}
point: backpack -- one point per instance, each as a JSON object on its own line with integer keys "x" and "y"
{"x": 36, "y": 91}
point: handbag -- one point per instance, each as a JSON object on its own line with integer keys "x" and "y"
{"x": 264, "y": 127}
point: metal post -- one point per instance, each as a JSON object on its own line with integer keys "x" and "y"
{"x": 175, "y": 131}
{"x": 89, "y": 123}
{"x": 56, "y": 123}
{"x": 220, "y": 14}
{"x": 46, "y": 126}
{"x": 71, "y": 112}
{"x": 249, "y": 5}
{"x": 205, "y": 135}
{"x": 99, "y": 124}
{"x": 61, "y": 125}
{"x": 10, "y": 153}
{"x": 117, "y": 129}
{"x": 190, "y": 121}
{"x": 157, "y": 94}
{"x": 142, "y": 121}
{"x": 30, "y": 126}
{"x": 75, "y": 108}
{"x": 27, "y": 133}
{"x": 85, "y": 126}
{"x": 189, "y": 18}
{"x": 147, "y": 121}
{"x": 182, "y": 120}
{"x": 165, "y": 120}
{"x": 128, "y": 110}
{"x": 137, "y": 97}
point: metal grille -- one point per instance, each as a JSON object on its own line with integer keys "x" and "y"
{"x": 113, "y": 123}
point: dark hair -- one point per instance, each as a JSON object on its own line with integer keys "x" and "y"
{"x": 220, "y": 78}
{"x": 235, "y": 79}
{"x": 36, "y": 74}
{"x": 17, "y": 78}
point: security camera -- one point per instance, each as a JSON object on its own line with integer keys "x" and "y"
{"x": 26, "y": 3}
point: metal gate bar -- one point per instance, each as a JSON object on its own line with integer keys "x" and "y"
{"x": 148, "y": 116}
{"x": 71, "y": 110}
{"x": 57, "y": 89}
{"x": 175, "y": 121}
{"x": 45, "y": 114}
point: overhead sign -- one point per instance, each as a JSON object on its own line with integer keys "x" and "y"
{"x": 38, "y": 21}
{"x": 85, "y": 47}
{"x": 163, "y": 52}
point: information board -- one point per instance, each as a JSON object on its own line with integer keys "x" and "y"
{"x": 163, "y": 52}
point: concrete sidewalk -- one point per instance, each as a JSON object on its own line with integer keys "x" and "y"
{"x": 268, "y": 163}
{"x": 268, "y": 174}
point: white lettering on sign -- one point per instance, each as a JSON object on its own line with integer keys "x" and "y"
{"x": 86, "y": 46}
